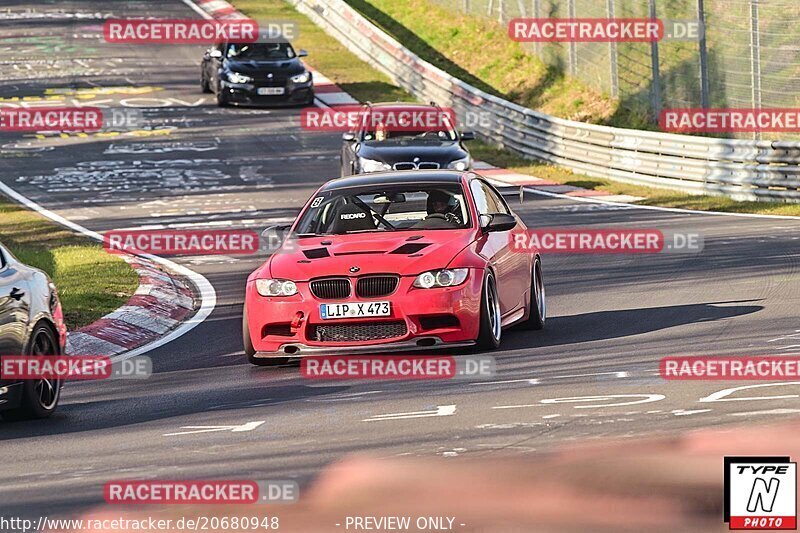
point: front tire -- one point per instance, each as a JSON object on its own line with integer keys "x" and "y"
{"x": 39, "y": 397}
{"x": 222, "y": 100}
{"x": 537, "y": 306}
{"x": 491, "y": 320}
{"x": 250, "y": 351}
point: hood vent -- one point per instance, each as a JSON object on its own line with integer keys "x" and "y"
{"x": 316, "y": 253}
{"x": 410, "y": 248}
{"x": 364, "y": 252}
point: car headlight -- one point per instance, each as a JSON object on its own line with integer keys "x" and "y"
{"x": 370, "y": 165}
{"x": 459, "y": 164}
{"x": 235, "y": 77}
{"x": 276, "y": 287}
{"x": 301, "y": 78}
{"x": 447, "y": 277}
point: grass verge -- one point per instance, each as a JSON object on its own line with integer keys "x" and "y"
{"x": 478, "y": 51}
{"x": 457, "y": 40}
{"x": 91, "y": 282}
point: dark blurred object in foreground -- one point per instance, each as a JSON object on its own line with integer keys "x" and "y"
{"x": 657, "y": 484}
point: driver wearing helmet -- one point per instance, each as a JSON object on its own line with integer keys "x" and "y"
{"x": 443, "y": 206}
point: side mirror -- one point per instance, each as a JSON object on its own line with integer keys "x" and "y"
{"x": 467, "y": 135}
{"x": 302, "y": 53}
{"x": 348, "y": 137}
{"x": 498, "y": 222}
{"x": 215, "y": 53}
{"x": 273, "y": 237}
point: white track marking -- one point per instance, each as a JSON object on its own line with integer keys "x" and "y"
{"x": 617, "y": 374}
{"x": 532, "y": 381}
{"x": 197, "y": 9}
{"x": 684, "y": 412}
{"x": 767, "y": 412}
{"x": 654, "y": 207}
{"x": 537, "y": 381}
{"x": 644, "y": 398}
{"x": 719, "y": 396}
{"x": 249, "y": 426}
{"x": 208, "y": 296}
{"x": 441, "y": 410}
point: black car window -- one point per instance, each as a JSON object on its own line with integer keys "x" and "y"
{"x": 372, "y": 129}
{"x": 2, "y": 259}
{"x": 499, "y": 205}
{"x": 479, "y": 195}
{"x": 260, "y": 51}
{"x": 487, "y": 201}
{"x": 396, "y": 207}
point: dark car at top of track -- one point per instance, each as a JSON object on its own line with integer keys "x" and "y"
{"x": 31, "y": 323}
{"x": 261, "y": 73}
{"x": 370, "y": 148}
{"x": 390, "y": 262}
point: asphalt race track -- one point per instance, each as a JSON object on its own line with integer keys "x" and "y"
{"x": 611, "y": 318}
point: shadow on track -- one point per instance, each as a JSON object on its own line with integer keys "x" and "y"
{"x": 614, "y": 324}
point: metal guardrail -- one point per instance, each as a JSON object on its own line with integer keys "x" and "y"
{"x": 740, "y": 169}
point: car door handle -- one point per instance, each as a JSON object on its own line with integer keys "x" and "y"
{"x": 17, "y": 294}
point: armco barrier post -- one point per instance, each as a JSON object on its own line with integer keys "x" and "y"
{"x": 573, "y": 48}
{"x": 612, "y": 54}
{"x": 701, "y": 17}
{"x": 755, "y": 58}
{"x": 537, "y": 10}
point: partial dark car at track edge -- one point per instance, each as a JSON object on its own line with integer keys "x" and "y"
{"x": 31, "y": 323}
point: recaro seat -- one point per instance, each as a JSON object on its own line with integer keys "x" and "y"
{"x": 352, "y": 218}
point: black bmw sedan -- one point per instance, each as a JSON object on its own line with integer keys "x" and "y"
{"x": 376, "y": 146}
{"x": 31, "y": 323}
{"x": 261, "y": 73}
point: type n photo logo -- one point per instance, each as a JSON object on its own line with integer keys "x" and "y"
{"x": 760, "y": 493}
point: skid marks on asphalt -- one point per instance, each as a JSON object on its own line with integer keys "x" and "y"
{"x": 168, "y": 180}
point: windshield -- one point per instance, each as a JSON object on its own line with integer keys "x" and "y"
{"x": 381, "y": 208}
{"x": 260, "y": 51}
{"x": 387, "y": 125}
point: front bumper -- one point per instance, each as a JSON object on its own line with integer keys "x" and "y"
{"x": 413, "y": 345}
{"x": 10, "y": 394}
{"x": 294, "y": 94}
{"x": 423, "y": 318}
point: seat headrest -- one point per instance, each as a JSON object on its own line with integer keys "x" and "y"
{"x": 352, "y": 217}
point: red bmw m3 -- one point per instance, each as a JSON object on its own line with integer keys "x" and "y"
{"x": 391, "y": 262}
